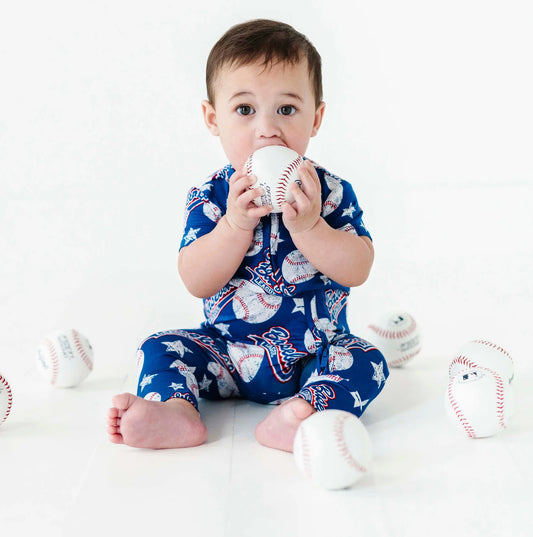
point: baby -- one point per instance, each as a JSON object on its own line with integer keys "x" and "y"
{"x": 270, "y": 335}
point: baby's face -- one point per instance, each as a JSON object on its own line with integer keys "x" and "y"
{"x": 256, "y": 107}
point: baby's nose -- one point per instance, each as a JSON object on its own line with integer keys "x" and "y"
{"x": 267, "y": 126}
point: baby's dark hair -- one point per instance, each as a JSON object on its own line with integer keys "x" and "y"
{"x": 267, "y": 41}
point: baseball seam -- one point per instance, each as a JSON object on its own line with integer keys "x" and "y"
{"x": 463, "y": 361}
{"x": 4, "y": 382}
{"x": 493, "y": 346}
{"x": 500, "y": 404}
{"x": 267, "y": 305}
{"x": 283, "y": 180}
{"x": 244, "y": 307}
{"x": 297, "y": 265}
{"x": 403, "y": 359}
{"x": 393, "y": 334}
{"x": 338, "y": 432}
{"x": 79, "y": 346}
{"x": 306, "y": 453}
{"x": 248, "y": 165}
{"x": 247, "y": 357}
{"x": 470, "y": 431}
{"x": 54, "y": 359}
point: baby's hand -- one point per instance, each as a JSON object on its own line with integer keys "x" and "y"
{"x": 304, "y": 212}
{"x": 242, "y": 212}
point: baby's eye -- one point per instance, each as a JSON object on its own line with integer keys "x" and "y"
{"x": 245, "y": 110}
{"x": 286, "y": 110}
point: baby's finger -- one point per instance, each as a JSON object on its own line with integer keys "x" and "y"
{"x": 307, "y": 184}
{"x": 301, "y": 200}
{"x": 259, "y": 212}
{"x": 250, "y": 194}
{"x": 289, "y": 210}
{"x": 241, "y": 183}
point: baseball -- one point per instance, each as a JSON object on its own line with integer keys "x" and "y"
{"x": 252, "y": 305}
{"x": 6, "y": 399}
{"x": 482, "y": 353}
{"x": 397, "y": 336}
{"x": 65, "y": 358}
{"x": 333, "y": 449}
{"x": 297, "y": 269}
{"x": 275, "y": 168}
{"x": 479, "y": 402}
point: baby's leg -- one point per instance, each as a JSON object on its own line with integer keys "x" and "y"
{"x": 353, "y": 376}
{"x": 142, "y": 423}
{"x": 174, "y": 369}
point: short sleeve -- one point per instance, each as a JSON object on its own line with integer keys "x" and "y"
{"x": 340, "y": 207}
{"x": 204, "y": 207}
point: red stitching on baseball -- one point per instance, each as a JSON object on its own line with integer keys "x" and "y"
{"x": 462, "y": 360}
{"x": 243, "y": 305}
{"x": 499, "y": 397}
{"x": 284, "y": 179}
{"x": 470, "y": 431}
{"x": 393, "y": 334}
{"x": 306, "y": 453}
{"x": 85, "y": 357}
{"x": 247, "y": 357}
{"x": 265, "y": 304}
{"x": 53, "y": 357}
{"x": 249, "y": 164}
{"x": 493, "y": 346}
{"x": 404, "y": 358}
{"x": 9, "y": 397}
{"x": 338, "y": 429}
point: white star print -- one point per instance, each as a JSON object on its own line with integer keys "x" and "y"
{"x": 147, "y": 379}
{"x": 205, "y": 383}
{"x": 299, "y": 307}
{"x": 378, "y": 376}
{"x": 325, "y": 279}
{"x": 224, "y": 329}
{"x": 176, "y": 386}
{"x": 349, "y": 211}
{"x": 358, "y": 401}
{"x": 176, "y": 346}
{"x": 192, "y": 235}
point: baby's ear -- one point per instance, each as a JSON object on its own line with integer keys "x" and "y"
{"x": 210, "y": 117}
{"x": 319, "y": 115}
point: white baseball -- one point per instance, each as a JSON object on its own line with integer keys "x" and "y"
{"x": 397, "y": 336}
{"x": 340, "y": 358}
{"x": 252, "y": 305}
{"x": 275, "y": 168}
{"x": 296, "y": 268}
{"x": 65, "y": 358}
{"x": 333, "y": 449}
{"x": 479, "y": 402}
{"x": 6, "y": 399}
{"x": 246, "y": 358}
{"x": 483, "y": 353}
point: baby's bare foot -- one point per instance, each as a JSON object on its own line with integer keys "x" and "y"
{"x": 141, "y": 423}
{"x": 279, "y": 428}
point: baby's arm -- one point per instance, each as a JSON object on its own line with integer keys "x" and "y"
{"x": 207, "y": 264}
{"x": 342, "y": 256}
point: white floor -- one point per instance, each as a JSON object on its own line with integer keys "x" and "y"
{"x": 60, "y": 476}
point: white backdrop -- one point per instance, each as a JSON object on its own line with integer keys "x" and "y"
{"x": 429, "y": 114}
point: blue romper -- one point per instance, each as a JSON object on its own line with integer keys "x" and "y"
{"x": 277, "y": 330}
